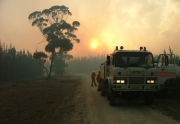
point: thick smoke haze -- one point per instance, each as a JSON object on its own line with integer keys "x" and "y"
{"x": 104, "y": 24}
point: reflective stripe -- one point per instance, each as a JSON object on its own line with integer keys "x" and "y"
{"x": 166, "y": 74}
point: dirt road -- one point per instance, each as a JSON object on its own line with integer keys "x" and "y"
{"x": 125, "y": 112}
{"x": 71, "y": 100}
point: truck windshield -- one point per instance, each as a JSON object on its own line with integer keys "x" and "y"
{"x": 133, "y": 59}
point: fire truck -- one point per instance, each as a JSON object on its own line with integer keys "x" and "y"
{"x": 168, "y": 74}
{"x": 133, "y": 73}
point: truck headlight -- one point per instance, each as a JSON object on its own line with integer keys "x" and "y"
{"x": 150, "y": 81}
{"x": 120, "y": 81}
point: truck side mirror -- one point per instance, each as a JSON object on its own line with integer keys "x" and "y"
{"x": 166, "y": 60}
{"x": 108, "y": 60}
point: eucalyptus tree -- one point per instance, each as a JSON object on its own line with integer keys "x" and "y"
{"x": 171, "y": 55}
{"x": 61, "y": 62}
{"x": 41, "y": 57}
{"x": 58, "y": 33}
{"x": 1, "y": 61}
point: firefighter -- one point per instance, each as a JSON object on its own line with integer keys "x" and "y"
{"x": 93, "y": 76}
{"x": 98, "y": 80}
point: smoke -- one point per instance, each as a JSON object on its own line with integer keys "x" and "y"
{"x": 128, "y": 23}
{"x": 121, "y": 22}
{"x": 136, "y": 23}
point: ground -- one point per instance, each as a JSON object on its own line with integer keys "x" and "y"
{"x": 56, "y": 101}
{"x": 40, "y": 101}
{"x": 168, "y": 105}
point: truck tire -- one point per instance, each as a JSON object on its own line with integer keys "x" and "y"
{"x": 112, "y": 98}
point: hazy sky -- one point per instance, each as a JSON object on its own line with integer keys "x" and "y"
{"x": 106, "y": 23}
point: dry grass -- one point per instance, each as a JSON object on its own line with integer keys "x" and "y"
{"x": 37, "y": 101}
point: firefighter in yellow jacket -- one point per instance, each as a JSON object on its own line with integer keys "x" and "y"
{"x": 98, "y": 77}
{"x": 93, "y": 76}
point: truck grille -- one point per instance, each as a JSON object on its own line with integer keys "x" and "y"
{"x": 136, "y": 80}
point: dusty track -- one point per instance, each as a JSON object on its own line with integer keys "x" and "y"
{"x": 70, "y": 99}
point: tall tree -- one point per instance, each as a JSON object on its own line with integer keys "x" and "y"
{"x": 58, "y": 33}
{"x": 41, "y": 57}
{"x": 60, "y": 62}
{"x": 171, "y": 55}
{"x": 1, "y": 60}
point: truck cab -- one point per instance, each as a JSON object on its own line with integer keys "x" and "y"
{"x": 129, "y": 73}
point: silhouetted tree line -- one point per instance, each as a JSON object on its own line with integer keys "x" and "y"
{"x": 177, "y": 58}
{"x": 17, "y": 64}
{"x": 80, "y": 65}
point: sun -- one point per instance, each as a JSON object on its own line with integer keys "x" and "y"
{"x": 93, "y": 43}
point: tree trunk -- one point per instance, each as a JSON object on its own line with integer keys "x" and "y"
{"x": 52, "y": 59}
{"x": 45, "y": 69}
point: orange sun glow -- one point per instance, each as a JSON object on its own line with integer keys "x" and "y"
{"x": 93, "y": 43}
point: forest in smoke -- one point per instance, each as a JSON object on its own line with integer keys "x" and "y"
{"x": 85, "y": 64}
{"x": 21, "y": 64}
